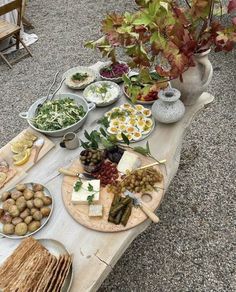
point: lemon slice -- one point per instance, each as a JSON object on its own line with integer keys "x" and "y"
{"x": 22, "y": 158}
{"x": 3, "y": 177}
{"x": 28, "y": 143}
{"x": 18, "y": 147}
{"x": 30, "y": 136}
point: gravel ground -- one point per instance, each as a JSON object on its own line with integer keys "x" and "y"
{"x": 193, "y": 247}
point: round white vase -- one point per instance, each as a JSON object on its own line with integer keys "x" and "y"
{"x": 168, "y": 108}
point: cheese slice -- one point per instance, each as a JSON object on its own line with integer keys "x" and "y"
{"x": 129, "y": 161}
{"x": 95, "y": 210}
{"x": 81, "y": 196}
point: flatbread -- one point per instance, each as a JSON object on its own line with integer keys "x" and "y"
{"x": 56, "y": 273}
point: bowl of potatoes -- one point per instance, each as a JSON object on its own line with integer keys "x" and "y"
{"x": 24, "y": 210}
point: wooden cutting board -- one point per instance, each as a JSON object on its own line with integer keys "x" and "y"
{"x": 80, "y": 212}
{"x": 21, "y": 171}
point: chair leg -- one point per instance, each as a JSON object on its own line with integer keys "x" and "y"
{"x": 4, "y": 59}
{"x": 18, "y": 41}
{"x": 23, "y": 44}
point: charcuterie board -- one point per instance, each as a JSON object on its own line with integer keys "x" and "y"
{"x": 21, "y": 171}
{"x": 80, "y": 212}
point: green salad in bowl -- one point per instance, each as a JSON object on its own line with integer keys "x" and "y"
{"x": 58, "y": 114}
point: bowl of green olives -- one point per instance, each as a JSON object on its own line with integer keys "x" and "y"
{"x": 92, "y": 159}
{"x": 24, "y": 210}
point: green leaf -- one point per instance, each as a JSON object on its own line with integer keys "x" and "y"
{"x": 103, "y": 132}
{"x": 90, "y": 187}
{"x": 85, "y": 145}
{"x": 148, "y": 148}
{"x": 94, "y": 145}
{"x": 143, "y": 19}
{"x": 141, "y": 150}
{"x": 104, "y": 121}
{"x": 90, "y": 199}
{"x": 78, "y": 185}
{"x": 107, "y": 144}
{"x": 87, "y": 136}
{"x": 125, "y": 138}
{"x": 95, "y": 135}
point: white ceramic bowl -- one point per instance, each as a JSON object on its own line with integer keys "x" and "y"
{"x": 59, "y": 133}
{"x": 117, "y": 79}
{"x": 102, "y": 103}
{"x": 80, "y": 69}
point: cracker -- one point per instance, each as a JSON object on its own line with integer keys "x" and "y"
{"x": 52, "y": 275}
{"x": 57, "y": 271}
{"x": 65, "y": 273}
{"x": 60, "y": 273}
{"x": 43, "y": 275}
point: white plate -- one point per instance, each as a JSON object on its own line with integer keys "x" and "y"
{"x": 94, "y": 99}
{"x": 80, "y": 69}
{"x": 56, "y": 248}
{"x": 143, "y": 136}
{"x": 43, "y": 221}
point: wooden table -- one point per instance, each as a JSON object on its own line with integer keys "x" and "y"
{"x": 95, "y": 253}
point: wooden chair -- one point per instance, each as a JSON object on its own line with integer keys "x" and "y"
{"x": 8, "y": 29}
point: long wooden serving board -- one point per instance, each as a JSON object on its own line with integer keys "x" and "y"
{"x": 80, "y": 212}
{"x": 21, "y": 171}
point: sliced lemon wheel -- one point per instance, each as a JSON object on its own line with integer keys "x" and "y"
{"x": 28, "y": 143}
{"x": 22, "y": 158}
{"x": 3, "y": 177}
{"x": 30, "y": 136}
{"x": 18, "y": 147}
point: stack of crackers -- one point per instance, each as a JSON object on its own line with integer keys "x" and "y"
{"x": 31, "y": 268}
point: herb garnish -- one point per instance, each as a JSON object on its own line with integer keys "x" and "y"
{"x": 79, "y": 76}
{"x": 90, "y": 187}
{"x": 78, "y": 185}
{"x": 90, "y": 199}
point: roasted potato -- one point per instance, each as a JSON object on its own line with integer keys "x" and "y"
{"x": 20, "y": 187}
{"x": 39, "y": 195}
{"x": 37, "y": 216}
{"x": 28, "y": 194}
{"x": 25, "y": 213}
{"x": 5, "y": 196}
{"x": 21, "y": 229}
{"x": 7, "y": 204}
{"x": 28, "y": 219}
{"x": 47, "y": 200}
{"x": 21, "y": 204}
{"x": 14, "y": 211}
{"x": 38, "y": 203}
{"x": 8, "y": 229}
{"x": 45, "y": 211}
{"x": 34, "y": 225}
{"x": 30, "y": 204}
{"x": 16, "y": 220}
{"x": 37, "y": 187}
{"x": 6, "y": 218}
{"x": 33, "y": 210}
{"x": 16, "y": 194}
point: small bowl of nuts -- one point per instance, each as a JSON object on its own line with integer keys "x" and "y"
{"x": 92, "y": 159}
{"x": 24, "y": 210}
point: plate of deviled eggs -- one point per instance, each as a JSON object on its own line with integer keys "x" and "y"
{"x": 136, "y": 122}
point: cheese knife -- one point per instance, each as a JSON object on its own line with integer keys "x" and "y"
{"x": 138, "y": 202}
{"x": 82, "y": 175}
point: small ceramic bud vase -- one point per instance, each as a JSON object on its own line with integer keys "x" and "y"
{"x": 168, "y": 108}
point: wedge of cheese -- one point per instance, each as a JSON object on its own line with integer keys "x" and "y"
{"x": 129, "y": 161}
{"x": 95, "y": 210}
{"x": 81, "y": 196}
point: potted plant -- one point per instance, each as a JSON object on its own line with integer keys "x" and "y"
{"x": 171, "y": 39}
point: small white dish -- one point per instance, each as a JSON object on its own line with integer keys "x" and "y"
{"x": 80, "y": 85}
{"x": 96, "y": 93}
{"x": 115, "y": 79}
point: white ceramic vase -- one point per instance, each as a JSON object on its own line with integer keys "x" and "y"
{"x": 168, "y": 108}
{"x": 195, "y": 79}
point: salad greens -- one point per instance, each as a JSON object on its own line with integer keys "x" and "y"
{"x": 79, "y": 76}
{"x": 58, "y": 114}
